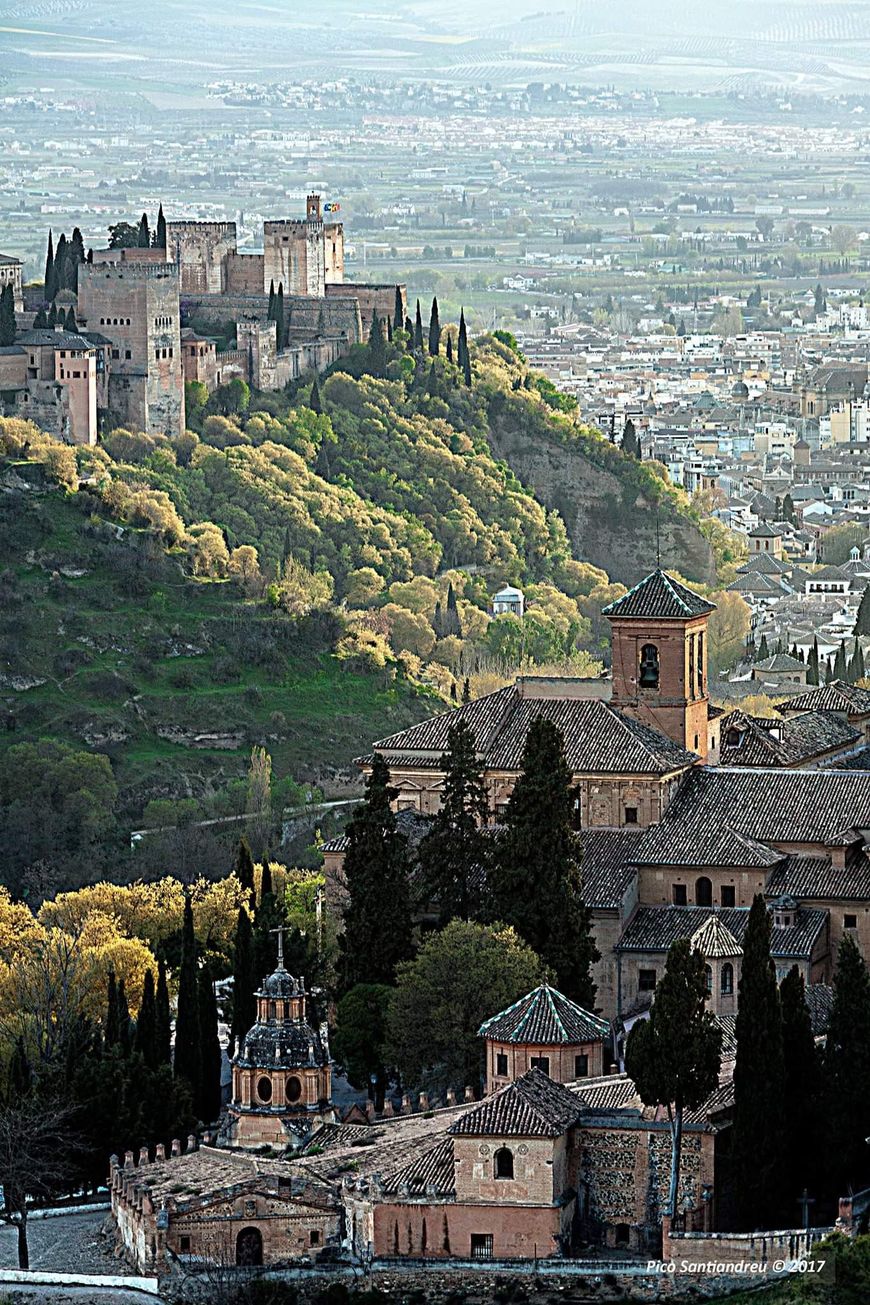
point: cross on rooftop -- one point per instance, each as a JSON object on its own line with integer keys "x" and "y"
{"x": 280, "y": 932}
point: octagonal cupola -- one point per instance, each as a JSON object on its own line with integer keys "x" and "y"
{"x": 281, "y": 1071}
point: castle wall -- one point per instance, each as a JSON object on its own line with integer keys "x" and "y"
{"x": 13, "y": 369}
{"x": 201, "y": 250}
{"x": 245, "y": 274}
{"x": 444, "y": 1230}
{"x": 294, "y": 256}
{"x": 77, "y": 373}
{"x": 371, "y": 298}
{"x": 10, "y": 274}
{"x": 333, "y": 239}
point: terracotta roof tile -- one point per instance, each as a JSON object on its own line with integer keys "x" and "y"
{"x": 836, "y": 696}
{"x": 662, "y": 597}
{"x": 654, "y": 928}
{"x": 532, "y": 1106}
{"x": 544, "y": 1016}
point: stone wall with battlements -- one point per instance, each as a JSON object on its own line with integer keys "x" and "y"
{"x": 201, "y": 250}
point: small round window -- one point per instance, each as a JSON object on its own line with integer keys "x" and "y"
{"x": 294, "y": 1089}
{"x": 264, "y": 1088}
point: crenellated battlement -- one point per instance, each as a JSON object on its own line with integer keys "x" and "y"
{"x": 127, "y": 271}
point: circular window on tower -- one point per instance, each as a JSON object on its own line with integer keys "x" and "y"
{"x": 264, "y": 1088}
{"x": 294, "y": 1089}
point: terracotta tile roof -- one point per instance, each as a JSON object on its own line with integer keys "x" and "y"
{"x": 857, "y": 760}
{"x": 607, "y": 868}
{"x": 815, "y": 877}
{"x": 661, "y": 597}
{"x": 765, "y": 805}
{"x": 654, "y": 928}
{"x": 610, "y": 1092}
{"x": 836, "y": 696}
{"x": 532, "y": 1106}
{"x": 544, "y": 1015}
{"x": 714, "y": 938}
{"x": 431, "y": 1173}
{"x": 800, "y": 738}
{"x": 598, "y": 739}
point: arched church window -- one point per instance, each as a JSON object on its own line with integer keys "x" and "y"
{"x": 703, "y": 891}
{"x": 504, "y": 1162}
{"x": 294, "y": 1089}
{"x": 708, "y": 978}
{"x": 264, "y": 1088}
{"x": 649, "y": 666}
{"x": 727, "y": 982}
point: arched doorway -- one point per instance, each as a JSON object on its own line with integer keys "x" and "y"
{"x": 249, "y": 1247}
{"x": 703, "y": 891}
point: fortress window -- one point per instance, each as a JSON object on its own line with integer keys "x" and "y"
{"x": 581, "y": 1066}
{"x": 679, "y": 894}
{"x": 314, "y": 1237}
{"x": 708, "y": 978}
{"x": 646, "y": 980}
{"x": 649, "y": 666}
{"x": 703, "y": 891}
{"x": 727, "y": 895}
{"x": 631, "y": 815}
{"x": 540, "y": 1062}
{"x": 504, "y": 1162}
{"x": 501, "y": 1064}
{"x": 127, "y": 354}
{"x": 850, "y": 922}
{"x": 727, "y": 982}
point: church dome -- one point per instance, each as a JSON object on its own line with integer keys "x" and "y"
{"x": 279, "y": 984}
{"x": 285, "y": 1044}
{"x": 740, "y": 390}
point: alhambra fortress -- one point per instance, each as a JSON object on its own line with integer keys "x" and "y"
{"x": 127, "y": 359}
{"x": 560, "y": 1156}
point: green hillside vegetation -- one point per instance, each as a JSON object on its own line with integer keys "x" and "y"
{"x": 301, "y": 572}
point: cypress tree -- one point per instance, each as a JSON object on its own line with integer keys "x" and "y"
{"x": 244, "y": 979}
{"x": 61, "y": 271}
{"x": 50, "y": 286}
{"x": 452, "y": 855}
{"x": 52, "y": 316}
{"x": 841, "y": 669}
{"x": 315, "y": 402}
{"x": 162, "y": 1018}
{"x": 113, "y": 1028}
{"x": 7, "y": 317}
{"x": 377, "y": 348}
{"x": 145, "y": 1042}
{"x": 466, "y": 690}
{"x": 847, "y": 1069}
{"x": 144, "y": 232}
{"x": 188, "y": 1064}
{"x": 160, "y": 234}
{"x": 418, "y": 329}
{"x": 434, "y": 330}
{"x": 40, "y": 321}
{"x": 802, "y": 1105}
{"x": 449, "y": 347}
{"x": 71, "y": 324}
{"x": 377, "y": 918}
{"x": 856, "y": 663}
{"x": 630, "y": 445}
{"x": 763, "y": 650}
{"x": 279, "y": 316}
{"x": 829, "y": 671}
{"x": 269, "y": 916}
{"x": 535, "y": 880}
{"x": 862, "y": 619}
{"x": 210, "y": 1050}
{"x": 272, "y": 302}
{"x": 76, "y": 258}
{"x": 409, "y": 329}
{"x": 451, "y": 620}
{"x": 266, "y": 889}
{"x": 399, "y": 312}
{"x": 244, "y": 870}
{"x": 759, "y": 1080}
{"x": 464, "y": 356}
{"x": 125, "y": 1024}
{"x": 674, "y": 1056}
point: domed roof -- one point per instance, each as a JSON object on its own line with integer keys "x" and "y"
{"x": 740, "y": 390}
{"x": 284, "y": 1044}
{"x": 281, "y": 983}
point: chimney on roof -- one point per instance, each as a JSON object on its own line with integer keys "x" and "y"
{"x": 176, "y": 1146}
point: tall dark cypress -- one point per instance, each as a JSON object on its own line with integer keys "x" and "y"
{"x": 268, "y": 917}
{"x": 125, "y": 1024}
{"x": 160, "y": 234}
{"x": 464, "y": 356}
{"x": 535, "y": 880}
{"x": 162, "y": 1018}
{"x": 60, "y": 280}
{"x": 50, "y": 289}
{"x": 71, "y": 324}
{"x": 188, "y": 1063}
{"x": 802, "y": 1105}
{"x": 113, "y": 1029}
{"x": 146, "y": 1023}
{"x": 449, "y": 349}
{"x": 245, "y": 980}
{"x": 434, "y": 330}
{"x": 377, "y": 348}
{"x": 418, "y": 328}
{"x": 244, "y": 870}
{"x": 7, "y": 317}
{"x": 377, "y": 918}
{"x": 847, "y": 1070}
{"x": 399, "y": 311}
{"x": 280, "y": 318}
{"x": 452, "y": 855}
{"x": 409, "y": 329}
{"x": 315, "y": 402}
{"x": 759, "y": 1081}
{"x": 210, "y": 1050}
{"x": 144, "y": 232}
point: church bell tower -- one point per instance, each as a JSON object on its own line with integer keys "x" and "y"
{"x": 659, "y": 643}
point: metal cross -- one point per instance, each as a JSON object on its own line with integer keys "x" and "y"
{"x": 280, "y": 932}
